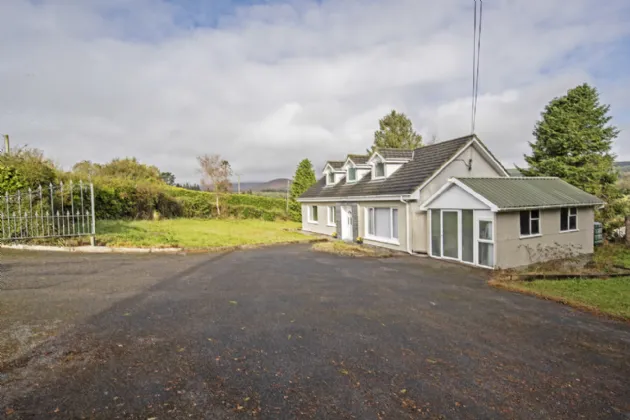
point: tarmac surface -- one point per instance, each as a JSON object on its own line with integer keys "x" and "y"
{"x": 286, "y": 332}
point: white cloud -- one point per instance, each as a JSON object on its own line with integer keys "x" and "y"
{"x": 273, "y": 83}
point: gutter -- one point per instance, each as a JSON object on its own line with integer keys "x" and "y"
{"x": 407, "y": 227}
{"x": 354, "y": 198}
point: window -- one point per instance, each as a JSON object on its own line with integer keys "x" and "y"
{"x": 568, "y": 219}
{"x": 379, "y": 170}
{"x": 330, "y": 178}
{"x": 352, "y": 174}
{"x": 332, "y": 217}
{"x": 312, "y": 214}
{"x": 382, "y": 223}
{"x": 485, "y": 251}
{"x": 530, "y": 222}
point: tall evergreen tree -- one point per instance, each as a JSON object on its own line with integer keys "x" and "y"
{"x": 573, "y": 141}
{"x": 302, "y": 180}
{"x": 396, "y": 131}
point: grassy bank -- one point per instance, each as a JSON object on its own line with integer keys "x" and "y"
{"x": 195, "y": 233}
{"x": 609, "y": 297}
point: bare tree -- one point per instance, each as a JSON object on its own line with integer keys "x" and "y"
{"x": 216, "y": 174}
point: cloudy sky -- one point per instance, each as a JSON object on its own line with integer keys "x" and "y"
{"x": 266, "y": 83}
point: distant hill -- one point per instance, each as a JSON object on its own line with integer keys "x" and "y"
{"x": 278, "y": 184}
{"x": 623, "y": 166}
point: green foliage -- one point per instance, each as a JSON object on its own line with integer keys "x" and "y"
{"x": 168, "y": 178}
{"x": 302, "y": 180}
{"x": 396, "y": 131}
{"x": 28, "y": 168}
{"x": 124, "y": 199}
{"x": 127, "y": 168}
{"x": 573, "y": 142}
{"x": 10, "y": 180}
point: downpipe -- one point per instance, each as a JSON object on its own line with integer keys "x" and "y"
{"x": 408, "y": 227}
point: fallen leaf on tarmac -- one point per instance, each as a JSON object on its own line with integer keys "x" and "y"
{"x": 127, "y": 314}
{"x": 403, "y": 391}
{"x": 181, "y": 349}
{"x": 56, "y": 410}
{"x": 246, "y": 399}
{"x": 233, "y": 302}
{"x": 289, "y": 337}
{"x": 343, "y": 371}
{"x": 209, "y": 339}
{"x": 431, "y": 361}
{"x": 9, "y": 411}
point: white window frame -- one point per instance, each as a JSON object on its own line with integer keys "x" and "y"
{"x": 351, "y": 181}
{"x": 328, "y": 178}
{"x": 530, "y": 235}
{"x": 476, "y": 218}
{"x": 391, "y": 239}
{"x": 376, "y": 163}
{"x": 310, "y": 214}
{"x": 569, "y": 215}
{"x": 332, "y": 211}
{"x": 487, "y": 241}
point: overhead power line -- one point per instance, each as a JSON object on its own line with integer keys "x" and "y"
{"x": 476, "y": 61}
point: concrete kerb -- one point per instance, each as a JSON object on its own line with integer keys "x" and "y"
{"x": 127, "y": 250}
{"x": 91, "y": 249}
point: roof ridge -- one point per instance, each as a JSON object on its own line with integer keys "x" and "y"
{"x": 508, "y": 177}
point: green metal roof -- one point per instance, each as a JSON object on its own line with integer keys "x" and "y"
{"x": 534, "y": 192}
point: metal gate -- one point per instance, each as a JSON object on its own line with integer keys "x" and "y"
{"x": 53, "y": 211}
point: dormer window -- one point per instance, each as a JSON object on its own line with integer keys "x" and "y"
{"x": 330, "y": 178}
{"x": 352, "y": 174}
{"x": 379, "y": 170}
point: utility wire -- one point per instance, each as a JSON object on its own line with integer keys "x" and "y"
{"x": 478, "y": 60}
{"x": 472, "y": 107}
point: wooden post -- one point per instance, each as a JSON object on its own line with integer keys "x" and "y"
{"x": 7, "y": 148}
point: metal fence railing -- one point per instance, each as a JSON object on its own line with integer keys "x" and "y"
{"x": 53, "y": 211}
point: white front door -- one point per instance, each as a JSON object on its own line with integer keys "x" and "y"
{"x": 346, "y": 223}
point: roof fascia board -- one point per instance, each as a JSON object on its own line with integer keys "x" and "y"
{"x": 357, "y": 198}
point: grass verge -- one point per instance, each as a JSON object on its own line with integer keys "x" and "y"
{"x": 350, "y": 250}
{"x": 604, "y": 297}
{"x": 195, "y": 233}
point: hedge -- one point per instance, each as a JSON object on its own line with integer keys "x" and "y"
{"x": 124, "y": 199}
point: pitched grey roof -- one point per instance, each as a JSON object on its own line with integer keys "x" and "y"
{"x": 359, "y": 159}
{"x": 395, "y": 154}
{"x": 426, "y": 160}
{"x": 336, "y": 164}
{"x": 523, "y": 192}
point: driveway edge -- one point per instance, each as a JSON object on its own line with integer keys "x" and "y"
{"x": 127, "y": 250}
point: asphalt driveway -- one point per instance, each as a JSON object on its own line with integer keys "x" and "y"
{"x": 286, "y": 332}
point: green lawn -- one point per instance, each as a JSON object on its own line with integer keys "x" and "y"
{"x": 611, "y": 296}
{"x": 195, "y": 233}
